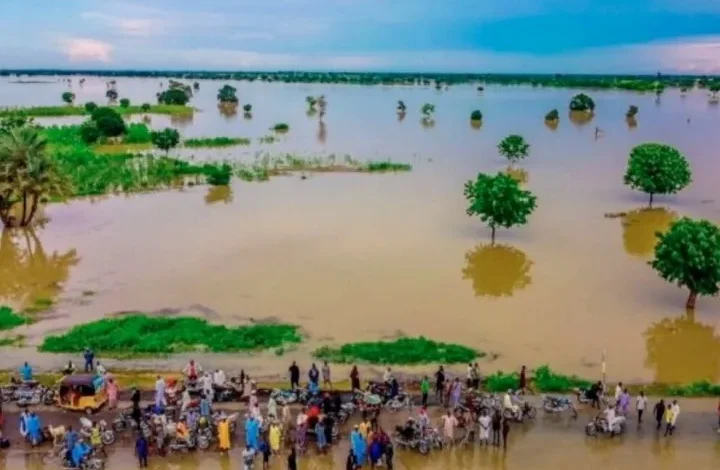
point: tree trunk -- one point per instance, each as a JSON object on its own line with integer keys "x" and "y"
{"x": 33, "y": 210}
{"x": 651, "y": 199}
{"x": 492, "y": 235}
{"x": 24, "y": 210}
{"x": 690, "y": 305}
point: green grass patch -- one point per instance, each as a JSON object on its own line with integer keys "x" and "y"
{"x": 143, "y": 334}
{"x": 281, "y": 127}
{"x": 547, "y": 381}
{"x": 502, "y": 382}
{"x": 14, "y": 341}
{"x": 216, "y": 142}
{"x": 386, "y": 166}
{"x": 696, "y": 389}
{"x": 60, "y": 111}
{"x": 403, "y": 351}
{"x": 9, "y": 319}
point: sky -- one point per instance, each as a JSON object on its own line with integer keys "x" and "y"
{"x": 523, "y": 36}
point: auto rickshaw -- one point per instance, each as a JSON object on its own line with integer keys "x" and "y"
{"x": 84, "y": 392}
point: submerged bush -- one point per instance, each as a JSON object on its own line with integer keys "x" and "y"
{"x": 476, "y": 115}
{"x": 216, "y": 141}
{"x": 553, "y": 115}
{"x": 281, "y": 127}
{"x": 403, "y": 351}
{"x": 143, "y": 334}
{"x": 632, "y": 111}
{"x": 217, "y": 175}
{"x": 582, "y": 102}
{"x": 9, "y": 319}
{"x": 387, "y": 166}
{"x": 545, "y": 380}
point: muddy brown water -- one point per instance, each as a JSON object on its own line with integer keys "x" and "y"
{"x": 362, "y": 257}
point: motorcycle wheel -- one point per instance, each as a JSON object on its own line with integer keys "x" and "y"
{"x": 423, "y": 448}
{"x": 531, "y": 412}
{"x": 591, "y": 430}
{"x": 118, "y": 426}
{"x": 48, "y": 400}
{"x": 108, "y": 438}
{"x": 203, "y": 442}
{"x": 549, "y": 409}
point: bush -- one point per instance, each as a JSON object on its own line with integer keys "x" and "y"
{"x": 546, "y": 380}
{"x": 216, "y": 141}
{"x": 632, "y": 111}
{"x": 217, "y": 175}
{"x": 173, "y": 96}
{"x": 281, "y": 127}
{"x": 696, "y": 389}
{"x": 501, "y": 382}
{"x": 582, "y": 102}
{"x": 10, "y": 319}
{"x": 90, "y": 107}
{"x": 476, "y": 116}
{"x": 143, "y": 334}
{"x": 125, "y": 103}
{"x": 403, "y": 351}
{"x": 146, "y": 107}
{"x": 387, "y": 166}
{"x": 247, "y": 108}
{"x": 553, "y": 115}
{"x": 89, "y": 132}
{"x": 137, "y": 134}
{"x": 109, "y": 122}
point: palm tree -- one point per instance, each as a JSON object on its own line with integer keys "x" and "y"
{"x": 27, "y": 176}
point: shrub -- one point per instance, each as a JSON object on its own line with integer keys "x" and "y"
{"x": 124, "y": 103}
{"x": 281, "y": 127}
{"x": 10, "y": 319}
{"x": 217, "y": 175}
{"x": 138, "y": 134}
{"x": 403, "y": 351}
{"x": 546, "y": 380}
{"x": 109, "y": 122}
{"x": 582, "y": 102}
{"x": 553, "y": 115}
{"x": 90, "y": 107}
{"x": 476, "y": 115}
{"x": 89, "y": 132}
{"x": 501, "y": 382}
{"x": 146, "y": 107}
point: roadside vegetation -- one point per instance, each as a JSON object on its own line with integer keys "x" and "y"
{"x": 60, "y": 111}
{"x": 139, "y": 334}
{"x": 403, "y": 351}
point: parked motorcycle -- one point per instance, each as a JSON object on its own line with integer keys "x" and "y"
{"x": 599, "y": 425}
{"x": 524, "y": 410}
{"x": 401, "y": 401}
{"x": 106, "y": 434}
{"x": 284, "y": 397}
{"x": 559, "y": 405}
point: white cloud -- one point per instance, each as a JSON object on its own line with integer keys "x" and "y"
{"x": 137, "y": 27}
{"x": 86, "y": 50}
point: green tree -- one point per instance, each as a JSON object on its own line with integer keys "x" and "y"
{"x": 145, "y": 107}
{"x": 89, "y": 132}
{"x": 28, "y": 175}
{"x": 15, "y": 121}
{"x": 227, "y": 95}
{"x": 499, "y": 201}
{"x": 124, "y": 103}
{"x": 476, "y": 115}
{"x": 401, "y": 108}
{"x": 514, "y": 148}
{"x": 688, "y": 254}
{"x": 714, "y": 89}
{"x": 247, "y": 108}
{"x": 68, "y": 97}
{"x": 632, "y": 111}
{"x": 427, "y": 110}
{"x": 552, "y": 115}
{"x": 657, "y": 169}
{"x": 112, "y": 95}
{"x": 109, "y": 122}
{"x": 90, "y": 107}
{"x": 311, "y": 102}
{"x": 582, "y": 102}
{"x": 174, "y": 96}
{"x": 165, "y": 139}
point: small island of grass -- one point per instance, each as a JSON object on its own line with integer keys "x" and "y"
{"x": 403, "y": 351}
{"x": 139, "y": 334}
{"x": 216, "y": 142}
{"x": 9, "y": 319}
{"x": 543, "y": 380}
{"x": 60, "y": 111}
{"x": 281, "y": 127}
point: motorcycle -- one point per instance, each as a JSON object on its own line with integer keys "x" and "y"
{"x": 124, "y": 422}
{"x": 599, "y": 425}
{"x": 558, "y": 405}
{"x": 401, "y": 401}
{"x": 106, "y": 434}
{"x": 346, "y": 410}
{"x": 523, "y": 410}
{"x": 31, "y": 393}
{"x": 284, "y": 397}
{"x": 417, "y": 443}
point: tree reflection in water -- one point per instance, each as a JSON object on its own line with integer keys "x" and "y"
{"x": 27, "y": 273}
{"x": 219, "y": 194}
{"x": 497, "y": 270}
{"x": 682, "y": 350}
{"x": 640, "y": 227}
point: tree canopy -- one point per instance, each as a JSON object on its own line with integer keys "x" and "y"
{"x": 112, "y": 94}
{"x": 227, "y": 95}
{"x": 109, "y": 122}
{"x": 688, "y": 254}
{"x": 632, "y": 111}
{"x": 28, "y": 175}
{"x": 514, "y": 148}
{"x": 90, "y": 107}
{"x": 427, "y": 110}
{"x": 499, "y": 201}
{"x": 582, "y": 102}
{"x": 173, "y": 96}
{"x": 68, "y": 97}
{"x": 552, "y": 115}
{"x": 124, "y": 102}
{"x": 657, "y": 169}
{"x": 165, "y": 139}
{"x": 476, "y": 115}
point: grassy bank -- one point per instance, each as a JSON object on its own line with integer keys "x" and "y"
{"x": 403, "y": 351}
{"x": 216, "y": 142}
{"x": 139, "y": 334}
{"x": 68, "y": 110}
{"x": 9, "y": 319}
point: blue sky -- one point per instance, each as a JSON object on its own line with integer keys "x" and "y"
{"x": 590, "y": 36}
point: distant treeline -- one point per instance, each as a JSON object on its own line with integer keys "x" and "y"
{"x": 625, "y": 82}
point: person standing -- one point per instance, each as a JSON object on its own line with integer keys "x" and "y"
{"x": 505, "y": 432}
{"x": 675, "y": 414}
{"x": 496, "y": 425}
{"x": 294, "y": 376}
{"x": 89, "y": 357}
{"x": 618, "y": 392}
{"x": 640, "y": 404}
{"x": 424, "y": 390}
{"x": 141, "y": 450}
{"x": 455, "y": 393}
{"x": 266, "y": 452}
{"x": 522, "y": 385}
{"x": 389, "y": 455}
{"x": 624, "y": 403}
{"x": 668, "y": 420}
{"x": 292, "y": 459}
{"x": 439, "y": 383}
{"x": 351, "y": 462}
{"x": 469, "y": 375}
{"x": 484, "y": 428}
{"x": 354, "y": 379}
{"x": 112, "y": 392}
{"x": 160, "y": 392}
{"x": 449, "y": 423}
{"x": 326, "y": 375}
{"x": 659, "y": 411}
{"x": 314, "y": 376}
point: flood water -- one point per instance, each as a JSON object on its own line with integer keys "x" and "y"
{"x": 362, "y": 257}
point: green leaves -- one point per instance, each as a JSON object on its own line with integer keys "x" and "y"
{"x": 476, "y": 115}
{"x": 227, "y": 95}
{"x": 403, "y": 351}
{"x": 657, "y": 169}
{"x": 514, "y": 148}
{"x": 427, "y": 110}
{"x": 10, "y": 319}
{"x": 499, "y": 200}
{"x": 552, "y": 115}
{"x": 582, "y": 102}
{"x": 165, "y": 139}
{"x": 688, "y": 254}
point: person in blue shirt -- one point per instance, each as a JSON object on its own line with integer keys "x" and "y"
{"x": 71, "y": 439}
{"x": 79, "y": 452}
{"x": 141, "y": 450}
{"x": 26, "y": 372}
{"x": 34, "y": 432}
{"x": 89, "y": 357}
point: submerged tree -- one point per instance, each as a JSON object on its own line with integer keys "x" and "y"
{"x": 499, "y": 201}
{"x": 514, "y": 148}
{"x": 401, "y": 108}
{"x": 476, "y": 116}
{"x": 552, "y": 115}
{"x": 427, "y": 110}
{"x": 632, "y": 111}
{"x": 657, "y": 169}
{"x": 68, "y": 97}
{"x": 582, "y": 102}
{"x": 112, "y": 95}
{"x": 688, "y": 254}
{"x": 227, "y": 95}
{"x": 714, "y": 90}
{"x": 165, "y": 139}
{"x": 28, "y": 176}
{"x": 247, "y": 111}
